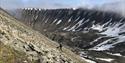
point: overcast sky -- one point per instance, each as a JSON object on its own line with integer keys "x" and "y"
{"x": 10, "y": 4}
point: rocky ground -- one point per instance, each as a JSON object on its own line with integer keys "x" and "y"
{"x": 20, "y": 44}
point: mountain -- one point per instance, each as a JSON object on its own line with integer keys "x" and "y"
{"x": 92, "y": 34}
{"x": 21, "y": 44}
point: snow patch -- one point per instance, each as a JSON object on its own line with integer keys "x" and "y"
{"x": 102, "y": 46}
{"x": 64, "y": 28}
{"x": 73, "y": 28}
{"x": 115, "y": 54}
{"x": 100, "y": 27}
{"x": 77, "y": 19}
{"x": 96, "y": 40}
{"x": 35, "y": 8}
{"x": 69, "y": 20}
{"x": 36, "y": 17}
{"x": 39, "y": 9}
{"x": 83, "y": 54}
{"x": 106, "y": 45}
{"x": 89, "y": 61}
{"x": 106, "y": 59}
{"x": 59, "y": 22}
{"x": 54, "y": 20}
{"x": 97, "y": 27}
{"x": 114, "y": 29}
{"x": 74, "y": 8}
{"x": 46, "y": 21}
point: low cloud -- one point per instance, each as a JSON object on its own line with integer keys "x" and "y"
{"x": 118, "y": 7}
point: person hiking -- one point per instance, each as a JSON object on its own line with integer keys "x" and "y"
{"x": 60, "y": 43}
{"x": 53, "y": 37}
{"x": 60, "y": 46}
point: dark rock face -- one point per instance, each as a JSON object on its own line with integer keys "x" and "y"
{"x": 81, "y": 29}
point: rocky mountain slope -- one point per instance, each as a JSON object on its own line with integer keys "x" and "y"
{"x": 21, "y": 44}
{"x": 92, "y": 34}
